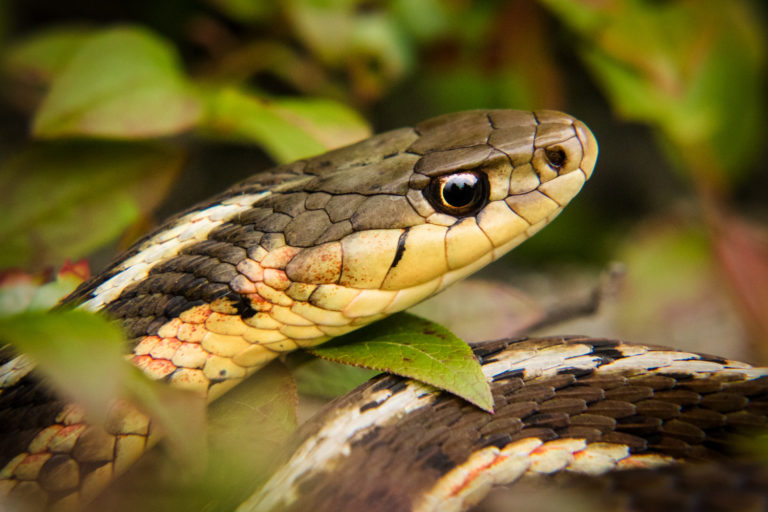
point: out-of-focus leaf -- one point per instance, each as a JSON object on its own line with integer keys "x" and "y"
{"x": 65, "y": 346}
{"x": 246, "y": 11}
{"x": 21, "y": 292}
{"x": 671, "y": 294}
{"x": 699, "y": 77}
{"x": 65, "y": 200}
{"x": 326, "y": 379}
{"x": 83, "y": 356}
{"x": 497, "y": 310}
{"x": 246, "y": 432}
{"x": 123, "y": 83}
{"x": 742, "y": 251}
{"x": 412, "y": 347}
{"x": 369, "y": 43}
{"x": 44, "y": 55}
{"x": 179, "y": 414}
{"x": 287, "y": 129}
{"x": 425, "y": 20}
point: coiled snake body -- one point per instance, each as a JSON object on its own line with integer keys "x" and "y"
{"x": 307, "y": 251}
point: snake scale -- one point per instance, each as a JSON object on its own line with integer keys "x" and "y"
{"x": 310, "y": 250}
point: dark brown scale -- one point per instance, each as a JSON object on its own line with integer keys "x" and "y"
{"x": 335, "y": 232}
{"x": 630, "y": 393}
{"x": 658, "y": 409}
{"x": 566, "y": 405}
{"x": 289, "y": 204}
{"x": 222, "y": 251}
{"x": 552, "y": 420}
{"x": 25, "y": 409}
{"x": 612, "y": 408}
{"x": 378, "y": 212}
{"x": 238, "y": 235}
{"x": 306, "y": 228}
{"x": 596, "y": 421}
{"x": 725, "y": 402}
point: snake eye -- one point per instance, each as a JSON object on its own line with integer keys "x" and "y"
{"x": 459, "y": 194}
{"x": 556, "y": 157}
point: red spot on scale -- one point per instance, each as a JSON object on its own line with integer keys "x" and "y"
{"x": 259, "y": 303}
{"x": 475, "y": 472}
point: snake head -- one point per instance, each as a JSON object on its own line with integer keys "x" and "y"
{"x": 427, "y": 206}
{"x": 319, "y": 247}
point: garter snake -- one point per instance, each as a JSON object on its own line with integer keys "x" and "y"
{"x": 288, "y": 259}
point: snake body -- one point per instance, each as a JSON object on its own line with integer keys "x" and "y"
{"x": 574, "y": 406}
{"x": 288, "y": 259}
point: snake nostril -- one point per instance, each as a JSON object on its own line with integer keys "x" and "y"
{"x": 556, "y": 157}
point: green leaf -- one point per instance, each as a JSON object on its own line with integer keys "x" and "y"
{"x": 65, "y": 200}
{"x": 246, "y": 11}
{"x": 65, "y": 345}
{"x": 247, "y": 430}
{"x": 45, "y": 54}
{"x": 180, "y": 415}
{"x": 288, "y": 129}
{"x": 412, "y": 347}
{"x": 343, "y": 35}
{"x": 122, "y": 83}
{"x": 82, "y": 355}
{"x": 326, "y": 379}
{"x": 25, "y": 295}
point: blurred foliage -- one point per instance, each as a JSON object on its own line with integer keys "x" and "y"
{"x": 125, "y": 100}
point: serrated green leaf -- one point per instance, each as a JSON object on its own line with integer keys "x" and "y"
{"x": 412, "y": 347}
{"x": 288, "y": 129}
{"x": 123, "y": 83}
{"x": 65, "y": 200}
{"x": 45, "y": 54}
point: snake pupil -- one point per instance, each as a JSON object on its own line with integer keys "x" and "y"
{"x": 459, "y": 194}
{"x": 460, "y": 190}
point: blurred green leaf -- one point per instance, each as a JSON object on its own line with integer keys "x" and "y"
{"x": 123, "y": 83}
{"x": 246, "y": 11}
{"x": 326, "y": 379}
{"x": 369, "y": 44}
{"x": 412, "y": 347}
{"x": 670, "y": 279}
{"x": 65, "y": 346}
{"x": 180, "y": 415}
{"x": 246, "y": 432}
{"x": 83, "y": 356}
{"x": 425, "y": 19}
{"x": 288, "y": 129}
{"x": 65, "y": 200}
{"x": 45, "y": 54}
{"x": 25, "y": 294}
{"x": 698, "y": 78}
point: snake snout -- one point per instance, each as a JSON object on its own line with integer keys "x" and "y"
{"x": 589, "y": 148}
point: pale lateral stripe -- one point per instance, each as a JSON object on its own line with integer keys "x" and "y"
{"x": 333, "y": 442}
{"x": 190, "y": 229}
{"x": 15, "y": 370}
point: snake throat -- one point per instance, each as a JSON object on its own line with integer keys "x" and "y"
{"x": 288, "y": 259}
